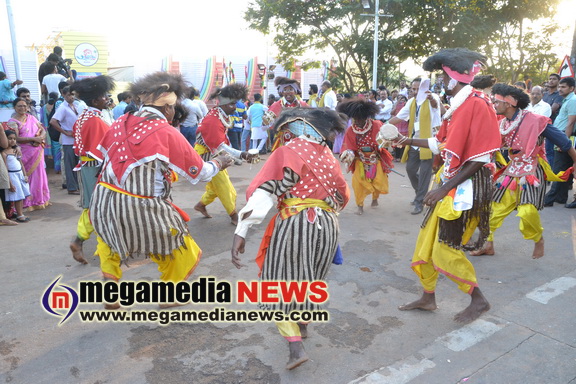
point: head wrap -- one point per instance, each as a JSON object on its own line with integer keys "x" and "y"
{"x": 283, "y": 82}
{"x": 507, "y": 99}
{"x": 465, "y": 78}
{"x": 226, "y": 100}
{"x": 166, "y": 98}
{"x": 313, "y": 122}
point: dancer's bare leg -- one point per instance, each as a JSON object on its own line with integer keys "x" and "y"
{"x": 202, "y": 209}
{"x": 427, "y": 303}
{"x": 303, "y": 330}
{"x": 486, "y": 250}
{"x": 478, "y": 305}
{"x": 77, "y": 252}
{"x": 297, "y": 354}
{"x": 538, "y": 249}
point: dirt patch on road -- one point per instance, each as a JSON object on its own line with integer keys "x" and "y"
{"x": 199, "y": 353}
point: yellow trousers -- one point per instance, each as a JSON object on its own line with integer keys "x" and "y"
{"x": 364, "y": 187}
{"x": 221, "y": 187}
{"x": 530, "y": 224}
{"x": 84, "y": 228}
{"x": 290, "y": 330}
{"x": 176, "y": 267}
{"x": 432, "y": 257}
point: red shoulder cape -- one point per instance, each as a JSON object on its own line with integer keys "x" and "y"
{"x": 471, "y": 132}
{"x": 212, "y": 130}
{"x": 133, "y": 141}
{"x": 88, "y": 131}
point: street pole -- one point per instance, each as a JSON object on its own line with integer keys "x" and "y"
{"x": 15, "y": 52}
{"x": 375, "y": 59}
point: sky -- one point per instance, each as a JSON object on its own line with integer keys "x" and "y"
{"x": 184, "y": 28}
{"x": 157, "y": 29}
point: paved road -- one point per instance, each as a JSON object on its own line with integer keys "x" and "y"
{"x": 527, "y": 337}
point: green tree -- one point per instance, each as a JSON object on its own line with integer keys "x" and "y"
{"x": 415, "y": 29}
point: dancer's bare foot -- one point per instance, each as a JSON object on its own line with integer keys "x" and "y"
{"x": 202, "y": 209}
{"x": 77, "y": 252}
{"x": 427, "y": 303}
{"x": 112, "y": 306}
{"x": 360, "y": 211}
{"x": 374, "y": 203}
{"x": 297, "y": 354}
{"x": 538, "y": 249}
{"x": 486, "y": 250}
{"x": 303, "y": 330}
{"x": 477, "y": 306}
{"x": 234, "y": 218}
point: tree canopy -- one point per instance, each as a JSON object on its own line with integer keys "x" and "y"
{"x": 414, "y": 29}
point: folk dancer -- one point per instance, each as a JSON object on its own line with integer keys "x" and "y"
{"x": 88, "y": 131}
{"x": 520, "y": 183}
{"x": 288, "y": 88}
{"x": 460, "y": 202}
{"x": 301, "y": 241}
{"x": 369, "y": 163}
{"x": 211, "y": 139}
{"x": 131, "y": 207}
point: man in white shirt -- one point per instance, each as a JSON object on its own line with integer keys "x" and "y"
{"x": 196, "y": 111}
{"x": 63, "y": 121}
{"x": 328, "y": 96}
{"x": 50, "y": 82}
{"x": 418, "y": 161}
{"x": 385, "y": 106}
{"x": 537, "y": 105}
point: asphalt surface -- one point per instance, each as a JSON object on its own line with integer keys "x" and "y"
{"x": 527, "y": 337}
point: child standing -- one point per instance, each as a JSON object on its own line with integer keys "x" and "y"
{"x": 19, "y": 188}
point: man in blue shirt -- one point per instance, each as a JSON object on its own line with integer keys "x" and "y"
{"x": 565, "y": 122}
{"x": 235, "y": 133}
{"x": 124, "y": 98}
{"x": 259, "y": 130}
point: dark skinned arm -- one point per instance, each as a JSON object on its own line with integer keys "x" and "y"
{"x": 467, "y": 171}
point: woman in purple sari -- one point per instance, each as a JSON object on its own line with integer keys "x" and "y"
{"x": 31, "y": 137}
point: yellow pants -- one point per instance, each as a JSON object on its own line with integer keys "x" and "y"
{"x": 432, "y": 257}
{"x": 530, "y": 224}
{"x": 221, "y": 187}
{"x": 176, "y": 267}
{"x": 84, "y": 228}
{"x": 290, "y": 330}
{"x": 364, "y": 187}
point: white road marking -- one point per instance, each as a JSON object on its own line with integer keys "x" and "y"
{"x": 465, "y": 337}
{"x": 406, "y": 371}
{"x": 548, "y": 291}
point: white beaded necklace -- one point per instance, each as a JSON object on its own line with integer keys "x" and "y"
{"x": 458, "y": 100}
{"x": 513, "y": 124}
{"x": 364, "y": 129}
{"x": 224, "y": 118}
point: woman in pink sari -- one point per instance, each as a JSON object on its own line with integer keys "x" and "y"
{"x": 31, "y": 137}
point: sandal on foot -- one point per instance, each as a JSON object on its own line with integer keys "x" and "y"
{"x": 22, "y": 219}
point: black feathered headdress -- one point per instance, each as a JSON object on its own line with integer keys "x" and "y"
{"x": 461, "y": 64}
{"x": 230, "y": 93}
{"x": 93, "y": 88}
{"x": 358, "y": 108}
